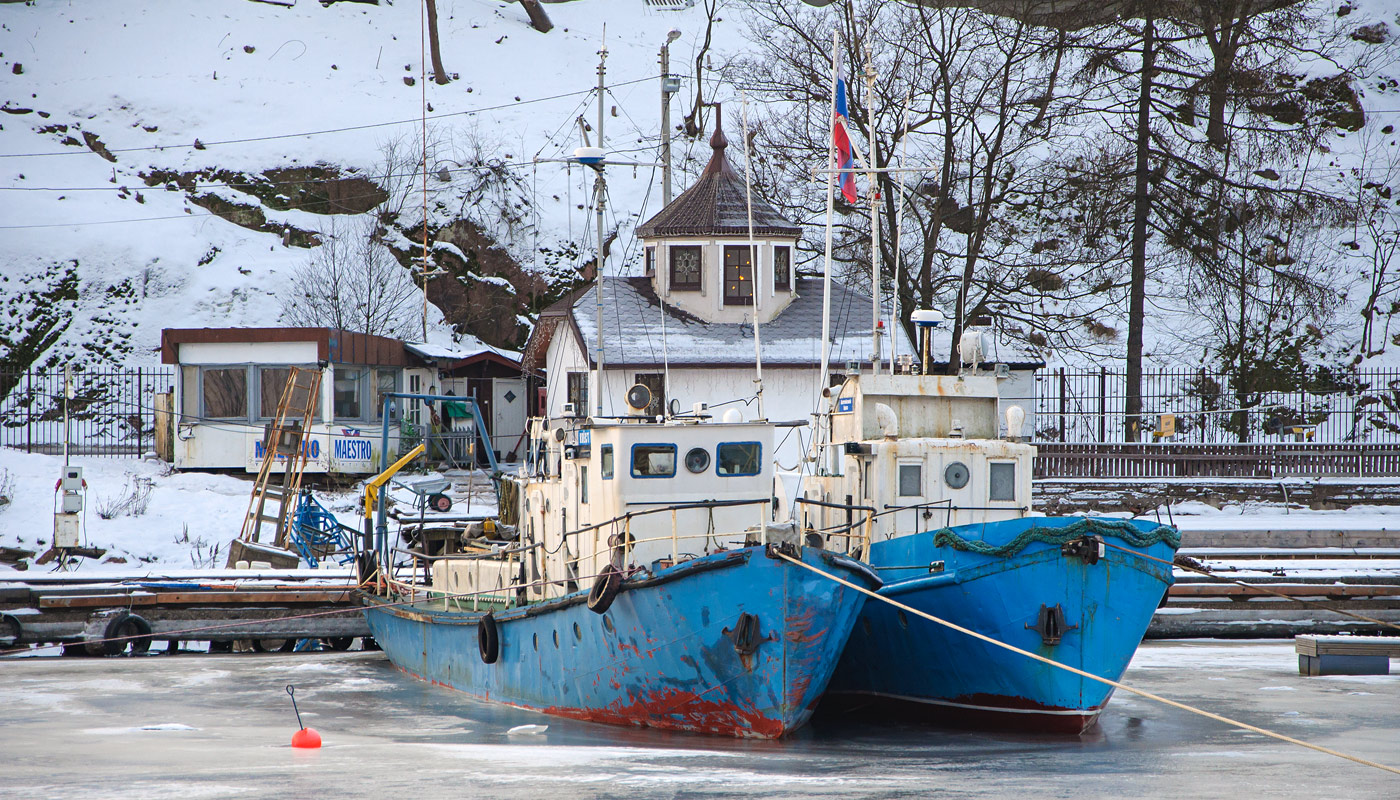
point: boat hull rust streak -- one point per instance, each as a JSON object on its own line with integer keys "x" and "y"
{"x": 663, "y": 655}
{"x": 903, "y": 664}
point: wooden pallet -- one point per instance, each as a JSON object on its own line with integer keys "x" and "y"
{"x": 1346, "y": 655}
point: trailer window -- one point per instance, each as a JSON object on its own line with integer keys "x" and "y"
{"x": 225, "y": 393}
{"x": 653, "y": 460}
{"x": 347, "y": 393}
{"x": 738, "y": 458}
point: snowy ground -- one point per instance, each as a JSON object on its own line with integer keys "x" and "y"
{"x": 187, "y": 515}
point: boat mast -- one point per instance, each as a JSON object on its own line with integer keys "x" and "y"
{"x": 822, "y": 378}
{"x": 899, "y": 229}
{"x": 754, "y": 271}
{"x": 600, "y": 186}
{"x": 875, "y": 316}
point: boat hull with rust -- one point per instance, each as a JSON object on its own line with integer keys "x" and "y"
{"x": 669, "y": 653}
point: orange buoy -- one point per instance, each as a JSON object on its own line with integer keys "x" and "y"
{"x": 306, "y": 737}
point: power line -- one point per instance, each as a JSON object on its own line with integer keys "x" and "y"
{"x": 273, "y": 137}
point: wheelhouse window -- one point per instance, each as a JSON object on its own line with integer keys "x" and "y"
{"x": 577, "y": 392}
{"x": 685, "y": 267}
{"x": 605, "y": 462}
{"x": 782, "y": 268}
{"x": 911, "y": 480}
{"x": 656, "y": 382}
{"x": 583, "y": 484}
{"x": 734, "y": 459}
{"x": 738, "y": 276}
{"x": 653, "y": 460}
{"x": 1002, "y": 481}
{"x": 225, "y": 392}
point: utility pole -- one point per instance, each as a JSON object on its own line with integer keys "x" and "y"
{"x": 669, "y": 86}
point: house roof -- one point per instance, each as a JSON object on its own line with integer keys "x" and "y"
{"x": 460, "y": 356}
{"x": 341, "y": 347}
{"x": 632, "y": 321}
{"x": 717, "y": 204}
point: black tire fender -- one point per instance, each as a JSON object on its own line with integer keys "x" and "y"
{"x": 488, "y": 638}
{"x": 340, "y": 642}
{"x": 124, "y": 625}
{"x": 605, "y": 590}
{"x": 440, "y": 502}
{"x": 10, "y": 630}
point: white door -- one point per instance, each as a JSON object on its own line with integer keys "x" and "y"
{"x": 508, "y": 413}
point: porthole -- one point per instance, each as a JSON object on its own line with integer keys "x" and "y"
{"x": 578, "y": 633}
{"x": 865, "y": 625}
{"x": 697, "y": 460}
{"x": 956, "y": 475}
{"x": 903, "y": 620}
{"x": 556, "y": 640}
{"x": 535, "y": 640}
{"x": 607, "y": 624}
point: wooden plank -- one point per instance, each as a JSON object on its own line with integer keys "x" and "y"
{"x": 1289, "y": 589}
{"x": 1348, "y": 645}
{"x": 243, "y": 597}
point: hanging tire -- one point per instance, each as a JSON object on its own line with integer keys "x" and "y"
{"x": 10, "y": 631}
{"x": 440, "y": 502}
{"x": 274, "y": 645}
{"x": 122, "y": 626}
{"x": 488, "y": 638}
{"x": 605, "y": 589}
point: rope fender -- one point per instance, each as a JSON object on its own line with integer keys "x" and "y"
{"x": 1121, "y": 529}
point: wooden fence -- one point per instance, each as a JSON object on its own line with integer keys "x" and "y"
{"x": 1270, "y": 461}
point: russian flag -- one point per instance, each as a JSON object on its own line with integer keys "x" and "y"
{"x": 845, "y": 160}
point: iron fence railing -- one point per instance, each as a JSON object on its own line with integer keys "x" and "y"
{"x": 1086, "y": 406}
{"x": 111, "y": 413}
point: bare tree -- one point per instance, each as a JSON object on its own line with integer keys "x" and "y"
{"x": 439, "y": 74}
{"x": 352, "y": 282}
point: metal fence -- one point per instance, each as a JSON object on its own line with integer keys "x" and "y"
{"x": 1086, "y": 406}
{"x": 111, "y": 413}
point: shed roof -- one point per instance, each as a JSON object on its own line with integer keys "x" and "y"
{"x": 341, "y": 347}
{"x": 717, "y": 204}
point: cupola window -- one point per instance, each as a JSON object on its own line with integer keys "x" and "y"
{"x": 685, "y": 267}
{"x": 738, "y": 276}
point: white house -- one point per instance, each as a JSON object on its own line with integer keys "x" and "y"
{"x": 685, "y": 328}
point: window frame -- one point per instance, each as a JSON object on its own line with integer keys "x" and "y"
{"x": 204, "y": 412}
{"x": 758, "y": 460}
{"x": 658, "y": 392}
{"x": 632, "y": 462}
{"x": 899, "y": 478}
{"x": 581, "y": 404}
{"x": 605, "y": 462}
{"x": 583, "y": 484}
{"x": 786, "y": 283}
{"x": 991, "y": 485}
{"x": 739, "y": 299}
{"x": 671, "y": 253}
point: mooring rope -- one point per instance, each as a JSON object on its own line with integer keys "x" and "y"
{"x": 1132, "y": 534}
{"x": 1115, "y": 684}
{"x": 1183, "y": 562}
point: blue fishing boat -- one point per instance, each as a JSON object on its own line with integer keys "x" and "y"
{"x": 636, "y": 577}
{"x": 954, "y": 536}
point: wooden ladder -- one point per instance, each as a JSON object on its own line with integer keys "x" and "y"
{"x": 285, "y": 436}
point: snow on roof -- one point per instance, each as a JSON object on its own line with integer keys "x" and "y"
{"x": 459, "y": 352}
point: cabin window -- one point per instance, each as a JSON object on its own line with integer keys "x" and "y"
{"x": 911, "y": 480}
{"x": 347, "y": 393}
{"x": 738, "y": 276}
{"x": 386, "y": 381}
{"x": 583, "y": 484}
{"x": 1002, "y": 481}
{"x": 653, "y": 460}
{"x": 272, "y": 382}
{"x": 656, "y": 382}
{"x": 577, "y": 392}
{"x": 225, "y": 393}
{"x": 605, "y": 462}
{"x": 782, "y": 268}
{"x": 734, "y": 459}
{"x": 685, "y": 267}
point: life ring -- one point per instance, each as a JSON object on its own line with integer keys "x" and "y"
{"x": 605, "y": 589}
{"x": 488, "y": 638}
{"x": 122, "y": 626}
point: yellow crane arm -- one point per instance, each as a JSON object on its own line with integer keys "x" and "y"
{"x": 377, "y": 482}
